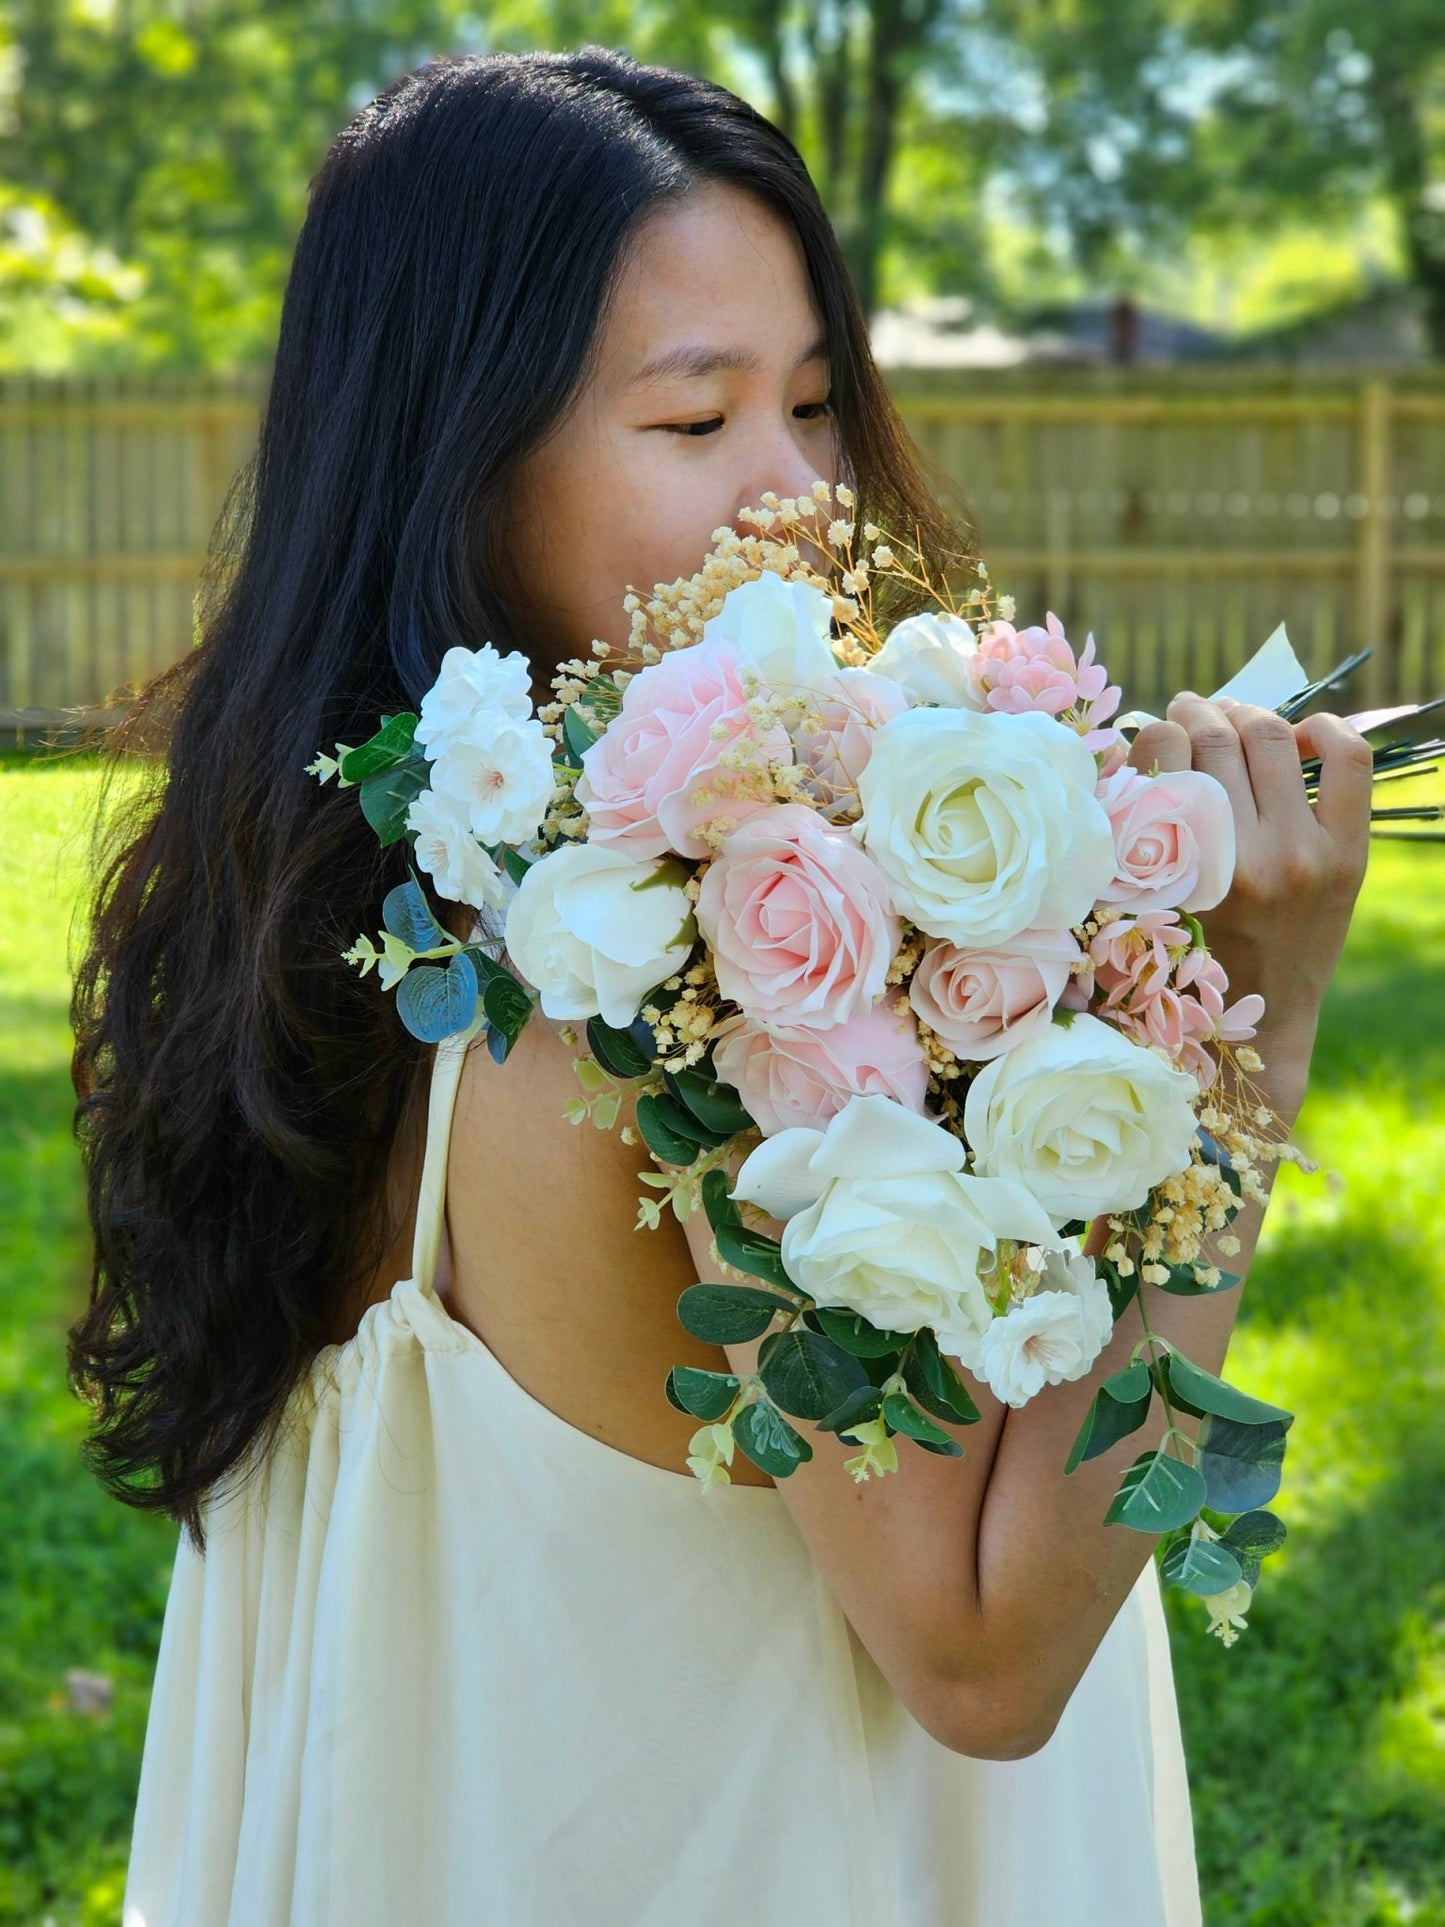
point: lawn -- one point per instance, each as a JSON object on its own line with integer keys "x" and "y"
{"x": 1316, "y": 1744}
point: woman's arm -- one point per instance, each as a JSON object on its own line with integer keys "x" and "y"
{"x": 983, "y": 1585}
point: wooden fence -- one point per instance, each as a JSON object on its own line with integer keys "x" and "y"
{"x": 1179, "y": 515}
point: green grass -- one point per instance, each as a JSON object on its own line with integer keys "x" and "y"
{"x": 1316, "y": 1744}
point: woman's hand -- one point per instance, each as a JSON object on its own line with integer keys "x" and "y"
{"x": 1298, "y": 868}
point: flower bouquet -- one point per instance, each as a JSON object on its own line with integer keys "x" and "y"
{"x": 881, "y": 937}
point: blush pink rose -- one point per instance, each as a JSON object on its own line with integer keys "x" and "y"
{"x": 849, "y": 706}
{"x": 1173, "y": 839}
{"x": 983, "y": 1002}
{"x": 798, "y": 1076}
{"x": 639, "y": 778}
{"x": 798, "y": 920}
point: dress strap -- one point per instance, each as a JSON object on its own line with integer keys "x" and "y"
{"x": 446, "y": 1072}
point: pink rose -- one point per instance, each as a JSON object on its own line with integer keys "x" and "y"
{"x": 1173, "y": 839}
{"x": 850, "y": 706}
{"x": 639, "y": 779}
{"x": 798, "y": 1076}
{"x": 798, "y": 920}
{"x": 982, "y": 1002}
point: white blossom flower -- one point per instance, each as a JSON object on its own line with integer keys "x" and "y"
{"x": 472, "y": 683}
{"x": 500, "y": 771}
{"x": 1048, "y": 1338}
{"x": 1227, "y": 1610}
{"x": 457, "y": 864}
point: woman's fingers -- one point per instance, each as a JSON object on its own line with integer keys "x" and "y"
{"x": 1216, "y": 748}
{"x": 1166, "y": 744}
{"x": 1342, "y": 808}
{"x": 1272, "y": 756}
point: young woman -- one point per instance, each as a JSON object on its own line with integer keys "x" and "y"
{"x": 453, "y": 1637}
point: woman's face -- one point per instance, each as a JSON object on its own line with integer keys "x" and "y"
{"x": 710, "y": 385}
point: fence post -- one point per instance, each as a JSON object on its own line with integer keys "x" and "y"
{"x": 1373, "y": 572}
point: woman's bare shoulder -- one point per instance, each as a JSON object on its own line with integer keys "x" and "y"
{"x": 547, "y": 1266}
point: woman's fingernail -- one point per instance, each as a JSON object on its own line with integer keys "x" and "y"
{"x": 1226, "y": 702}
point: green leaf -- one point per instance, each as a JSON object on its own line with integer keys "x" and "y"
{"x": 934, "y": 1382}
{"x": 728, "y": 1314}
{"x": 406, "y": 914}
{"x": 393, "y": 743}
{"x": 514, "y": 863}
{"x": 864, "y": 1402}
{"x": 617, "y": 1051}
{"x": 722, "y": 1212}
{"x": 1199, "y": 1392}
{"x": 434, "y": 1003}
{"x": 1158, "y": 1492}
{"x": 711, "y": 1102}
{"x": 577, "y": 735}
{"x": 856, "y": 1335}
{"x": 769, "y": 1441}
{"x": 806, "y": 1374}
{"x": 658, "y": 1135}
{"x": 752, "y": 1252}
{"x": 1200, "y": 1566}
{"x": 1119, "y": 1407}
{"x": 387, "y": 797}
{"x": 1241, "y": 1463}
{"x": 1183, "y": 1283}
{"x": 704, "y": 1395}
{"x": 1214, "y": 1153}
{"x": 904, "y": 1416}
{"x": 507, "y": 1006}
{"x": 681, "y": 1122}
{"x": 1251, "y": 1537}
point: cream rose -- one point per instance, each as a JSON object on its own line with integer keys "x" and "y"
{"x": 782, "y": 628}
{"x": 929, "y": 656}
{"x": 592, "y": 931}
{"x": 883, "y": 1220}
{"x": 985, "y": 826}
{"x": 1089, "y": 1121}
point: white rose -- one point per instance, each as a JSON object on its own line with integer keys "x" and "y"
{"x": 592, "y": 931}
{"x": 473, "y": 682}
{"x": 451, "y": 856}
{"x": 929, "y": 655}
{"x": 781, "y": 628}
{"x": 1053, "y": 1336}
{"x": 1087, "y": 1119}
{"x": 500, "y": 771}
{"x": 882, "y": 1219}
{"x": 985, "y": 826}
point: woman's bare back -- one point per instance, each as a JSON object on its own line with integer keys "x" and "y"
{"x": 546, "y": 1266}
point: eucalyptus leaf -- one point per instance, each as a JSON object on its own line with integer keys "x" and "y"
{"x": 705, "y": 1395}
{"x": 855, "y": 1334}
{"x": 434, "y": 1003}
{"x": 904, "y": 1416}
{"x": 715, "y": 1104}
{"x": 1199, "y": 1392}
{"x": 406, "y": 913}
{"x": 864, "y": 1402}
{"x": 807, "y": 1374}
{"x": 682, "y": 1123}
{"x": 1157, "y": 1493}
{"x": 769, "y": 1441}
{"x": 507, "y": 1006}
{"x": 937, "y": 1376}
{"x": 753, "y": 1252}
{"x": 728, "y": 1314}
{"x": 514, "y": 863}
{"x": 1119, "y": 1407}
{"x": 1251, "y": 1537}
{"x": 578, "y": 735}
{"x": 722, "y": 1211}
{"x": 616, "y": 1051}
{"x": 1200, "y": 1566}
{"x": 659, "y": 1137}
{"x": 1242, "y": 1464}
{"x": 1120, "y": 1289}
{"x": 1214, "y": 1153}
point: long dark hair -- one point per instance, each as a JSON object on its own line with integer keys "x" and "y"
{"x": 239, "y": 1087}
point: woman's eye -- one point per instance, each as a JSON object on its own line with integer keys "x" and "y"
{"x": 812, "y": 409}
{"x": 693, "y": 428}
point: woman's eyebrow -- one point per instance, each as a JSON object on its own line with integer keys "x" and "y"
{"x": 692, "y": 359}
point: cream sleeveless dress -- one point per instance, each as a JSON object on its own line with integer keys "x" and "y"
{"x": 449, "y": 1661}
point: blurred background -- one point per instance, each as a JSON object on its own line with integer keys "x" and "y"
{"x": 1159, "y": 287}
